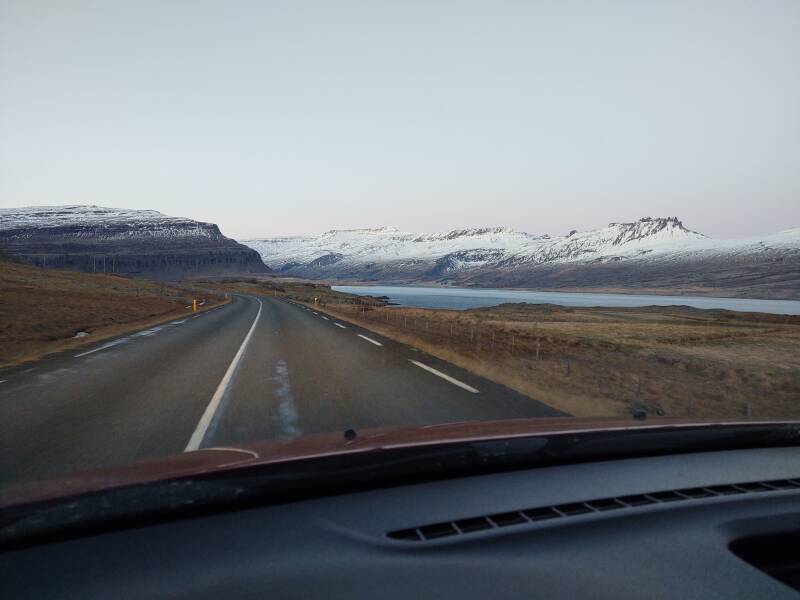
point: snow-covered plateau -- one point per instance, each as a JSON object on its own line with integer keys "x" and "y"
{"x": 101, "y": 223}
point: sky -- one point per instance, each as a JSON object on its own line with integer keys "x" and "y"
{"x": 276, "y": 118}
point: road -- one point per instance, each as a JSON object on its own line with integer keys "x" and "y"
{"x": 254, "y": 369}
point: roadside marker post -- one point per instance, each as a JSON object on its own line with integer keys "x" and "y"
{"x": 194, "y": 305}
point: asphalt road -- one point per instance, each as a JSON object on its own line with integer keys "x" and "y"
{"x": 255, "y": 369}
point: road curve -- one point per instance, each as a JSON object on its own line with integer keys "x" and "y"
{"x": 254, "y": 369}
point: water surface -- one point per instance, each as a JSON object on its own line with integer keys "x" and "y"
{"x": 463, "y": 298}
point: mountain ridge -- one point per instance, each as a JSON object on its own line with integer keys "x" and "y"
{"x": 652, "y": 249}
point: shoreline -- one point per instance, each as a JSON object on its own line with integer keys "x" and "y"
{"x": 416, "y": 296}
{"x": 644, "y": 291}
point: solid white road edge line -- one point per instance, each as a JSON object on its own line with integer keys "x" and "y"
{"x": 340, "y": 325}
{"x": 153, "y": 330}
{"x": 103, "y": 347}
{"x": 370, "y": 340}
{"x": 452, "y": 380}
{"x": 205, "y": 420}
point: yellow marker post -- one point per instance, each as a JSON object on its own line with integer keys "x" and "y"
{"x": 194, "y": 305}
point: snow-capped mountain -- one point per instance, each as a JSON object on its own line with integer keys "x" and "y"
{"x": 468, "y": 248}
{"x": 650, "y": 251}
{"x": 133, "y": 242}
{"x": 366, "y": 246}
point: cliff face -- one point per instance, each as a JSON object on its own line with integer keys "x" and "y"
{"x": 130, "y": 242}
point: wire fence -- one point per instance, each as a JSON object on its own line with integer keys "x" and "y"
{"x": 656, "y": 382}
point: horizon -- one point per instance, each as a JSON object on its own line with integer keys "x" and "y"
{"x": 308, "y": 116}
{"x": 393, "y": 228}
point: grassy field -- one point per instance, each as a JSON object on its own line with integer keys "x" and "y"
{"x": 671, "y": 361}
{"x": 42, "y": 310}
{"x": 597, "y": 361}
{"x": 302, "y": 291}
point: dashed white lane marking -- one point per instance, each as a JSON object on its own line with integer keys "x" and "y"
{"x": 139, "y": 334}
{"x": 315, "y": 313}
{"x": 205, "y": 420}
{"x": 103, "y": 347}
{"x": 326, "y": 318}
{"x": 3, "y": 380}
{"x": 452, "y": 380}
{"x": 370, "y": 340}
{"x": 340, "y": 325}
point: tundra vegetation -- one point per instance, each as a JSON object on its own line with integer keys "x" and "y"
{"x": 48, "y": 310}
{"x": 673, "y": 361}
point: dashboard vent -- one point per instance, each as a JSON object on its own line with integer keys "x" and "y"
{"x": 559, "y": 511}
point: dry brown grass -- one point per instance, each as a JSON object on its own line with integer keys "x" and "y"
{"x": 592, "y": 362}
{"x": 41, "y": 310}
{"x": 675, "y": 361}
{"x": 276, "y": 286}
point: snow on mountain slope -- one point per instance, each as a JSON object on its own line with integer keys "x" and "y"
{"x": 383, "y": 245}
{"x": 102, "y": 222}
{"x": 650, "y": 252}
{"x": 471, "y": 247}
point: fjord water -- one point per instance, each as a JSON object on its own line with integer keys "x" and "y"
{"x": 463, "y": 298}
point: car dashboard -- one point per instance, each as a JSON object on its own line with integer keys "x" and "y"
{"x": 720, "y": 524}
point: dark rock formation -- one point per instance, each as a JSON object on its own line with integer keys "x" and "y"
{"x": 129, "y": 242}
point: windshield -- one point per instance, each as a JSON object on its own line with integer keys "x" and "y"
{"x": 282, "y": 228}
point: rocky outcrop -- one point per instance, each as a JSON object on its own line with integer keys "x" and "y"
{"x": 129, "y": 242}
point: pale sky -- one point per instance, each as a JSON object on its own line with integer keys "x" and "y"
{"x": 274, "y": 118}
